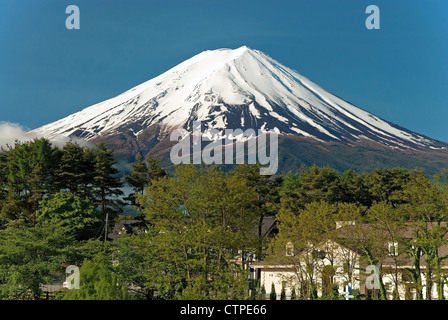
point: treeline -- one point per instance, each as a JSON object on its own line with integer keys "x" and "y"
{"x": 38, "y": 174}
{"x": 203, "y": 226}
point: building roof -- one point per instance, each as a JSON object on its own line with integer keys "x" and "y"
{"x": 268, "y": 226}
{"x": 127, "y": 226}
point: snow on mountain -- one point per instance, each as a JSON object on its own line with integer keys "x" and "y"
{"x": 241, "y": 88}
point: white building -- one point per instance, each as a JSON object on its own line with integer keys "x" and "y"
{"x": 332, "y": 265}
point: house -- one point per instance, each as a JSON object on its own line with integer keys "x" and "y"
{"x": 128, "y": 226}
{"x": 334, "y": 264}
{"x": 267, "y": 228}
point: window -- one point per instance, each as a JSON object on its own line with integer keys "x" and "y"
{"x": 393, "y": 249}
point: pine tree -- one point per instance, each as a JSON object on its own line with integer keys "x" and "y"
{"x": 262, "y": 292}
{"x": 72, "y": 170}
{"x": 106, "y": 184}
{"x": 139, "y": 177}
{"x": 266, "y": 195}
{"x": 142, "y": 174}
{"x": 283, "y": 292}
{"x": 273, "y": 294}
{"x": 30, "y": 177}
{"x": 155, "y": 170}
{"x": 88, "y": 179}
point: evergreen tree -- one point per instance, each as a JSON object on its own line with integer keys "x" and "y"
{"x": 87, "y": 183}
{"x": 283, "y": 292}
{"x": 106, "y": 183}
{"x": 138, "y": 179}
{"x": 263, "y": 292}
{"x": 30, "y": 176}
{"x": 273, "y": 294}
{"x": 267, "y": 196}
{"x": 155, "y": 170}
{"x": 320, "y": 184}
{"x": 354, "y": 188}
{"x": 142, "y": 174}
{"x": 71, "y": 169}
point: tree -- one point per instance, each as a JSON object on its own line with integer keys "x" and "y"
{"x": 267, "y": 196}
{"x": 3, "y": 177}
{"x": 319, "y": 184}
{"x": 283, "y": 291}
{"x": 106, "y": 183}
{"x": 154, "y": 168}
{"x": 273, "y": 294}
{"x": 201, "y": 224}
{"x": 30, "y": 171}
{"x": 426, "y": 207}
{"x": 31, "y": 256}
{"x": 262, "y": 292}
{"x": 137, "y": 264}
{"x": 355, "y": 190}
{"x": 72, "y": 169}
{"x": 98, "y": 282}
{"x": 69, "y": 210}
{"x": 307, "y": 243}
{"x": 142, "y": 174}
{"x": 389, "y": 224}
{"x": 385, "y": 185}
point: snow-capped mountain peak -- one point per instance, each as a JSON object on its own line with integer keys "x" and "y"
{"x": 240, "y": 88}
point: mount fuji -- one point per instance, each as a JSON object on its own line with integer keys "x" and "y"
{"x": 245, "y": 88}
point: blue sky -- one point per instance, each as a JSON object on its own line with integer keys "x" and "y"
{"x": 399, "y": 72}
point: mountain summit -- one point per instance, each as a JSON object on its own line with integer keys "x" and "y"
{"x": 225, "y": 88}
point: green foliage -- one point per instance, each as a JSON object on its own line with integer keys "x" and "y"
{"x": 32, "y": 256}
{"x": 67, "y": 209}
{"x": 262, "y": 292}
{"x": 76, "y": 170}
{"x": 273, "y": 294}
{"x": 106, "y": 182}
{"x": 142, "y": 174}
{"x": 283, "y": 291}
{"x": 28, "y": 175}
{"x": 201, "y": 222}
{"x": 205, "y": 225}
{"x": 97, "y": 282}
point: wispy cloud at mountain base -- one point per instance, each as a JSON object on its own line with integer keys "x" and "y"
{"x": 12, "y": 132}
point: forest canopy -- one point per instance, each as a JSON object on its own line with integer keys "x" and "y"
{"x": 202, "y": 225}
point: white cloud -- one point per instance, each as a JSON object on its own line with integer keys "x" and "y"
{"x": 12, "y": 132}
